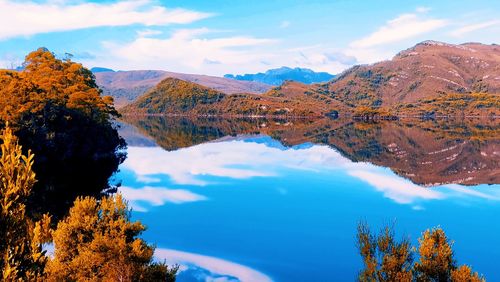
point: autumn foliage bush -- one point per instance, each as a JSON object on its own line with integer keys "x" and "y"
{"x": 387, "y": 259}
{"x": 21, "y": 255}
{"x": 97, "y": 241}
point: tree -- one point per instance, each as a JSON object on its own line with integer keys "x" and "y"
{"x": 56, "y": 110}
{"x": 48, "y": 80}
{"x": 98, "y": 242}
{"x": 21, "y": 255}
{"x": 384, "y": 258}
{"x": 464, "y": 273}
{"x": 387, "y": 260}
{"x": 436, "y": 256}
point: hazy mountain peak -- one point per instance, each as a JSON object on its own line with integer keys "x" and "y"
{"x": 100, "y": 69}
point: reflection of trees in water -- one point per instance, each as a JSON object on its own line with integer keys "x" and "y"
{"x": 425, "y": 151}
{"x": 74, "y": 156}
{"x": 172, "y": 133}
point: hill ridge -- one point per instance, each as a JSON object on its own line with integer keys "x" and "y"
{"x": 429, "y": 79}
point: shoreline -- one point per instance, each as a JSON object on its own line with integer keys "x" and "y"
{"x": 355, "y": 118}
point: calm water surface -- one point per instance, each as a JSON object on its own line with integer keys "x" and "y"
{"x": 261, "y": 200}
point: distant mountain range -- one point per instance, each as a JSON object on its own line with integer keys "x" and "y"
{"x": 429, "y": 79}
{"x": 126, "y": 86}
{"x": 278, "y": 76}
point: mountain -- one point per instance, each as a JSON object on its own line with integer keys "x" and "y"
{"x": 126, "y": 86}
{"x": 99, "y": 69}
{"x": 175, "y": 96}
{"x": 419, "y": 75}
{"x": 278, "y": 76}
{"x": 429, "y": 79}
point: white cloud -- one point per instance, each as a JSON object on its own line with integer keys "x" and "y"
{"x": 474, "y": 27}
{"x": 390, "y": 38}
{"x": 400, "y": 190}
{"x": 371, "y": 55}
{"x": 202, "y": 51}
{"x": 187, "y": 50}
{"x": 284, "y": 24}
{"x": 423, "y": 9}
{"x": 148, "y": 179}
{"x": 212, "y": 264}
{"x": 403, "y": 27}
{"x": 148, "y": 32}
{"x": 157, "y": 196}
{"x": 321, "y": 60}
{"x": 29, "y": 18}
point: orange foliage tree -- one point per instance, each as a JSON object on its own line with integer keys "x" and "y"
{"x": 386, "y": 259}
{"x": 46, "y": 80}
{"x": 98, "y": 242}
{"x": 56, "y": 110}
{"x": 21, "y": 255}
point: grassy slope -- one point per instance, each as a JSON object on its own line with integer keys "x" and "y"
{"x": 174, "y": 96}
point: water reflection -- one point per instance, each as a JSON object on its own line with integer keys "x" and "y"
{"x": 236, "y": 199}
{"x": 248, "y": 157}
{"x": 157, "y": 196}
{"x": 432, "y": 152}
{"x": 74, "y": 156}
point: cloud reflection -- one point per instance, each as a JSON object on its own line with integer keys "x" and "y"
{"x": 157, "y": 196}
{"x": 233, "y": 159}
{"x": 400, "y": 190}
{"x": 239, "y": 159}
{"x": 224, "y": 270}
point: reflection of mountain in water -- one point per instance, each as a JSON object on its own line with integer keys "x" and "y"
{"x": 426, "y": 152}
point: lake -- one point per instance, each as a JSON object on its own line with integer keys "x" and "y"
{"x": 280, "y": 200}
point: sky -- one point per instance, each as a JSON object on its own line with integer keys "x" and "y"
{"x": 218, "y": 37}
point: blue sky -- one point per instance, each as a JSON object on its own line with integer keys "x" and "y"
{"x": 219, "y": 36}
